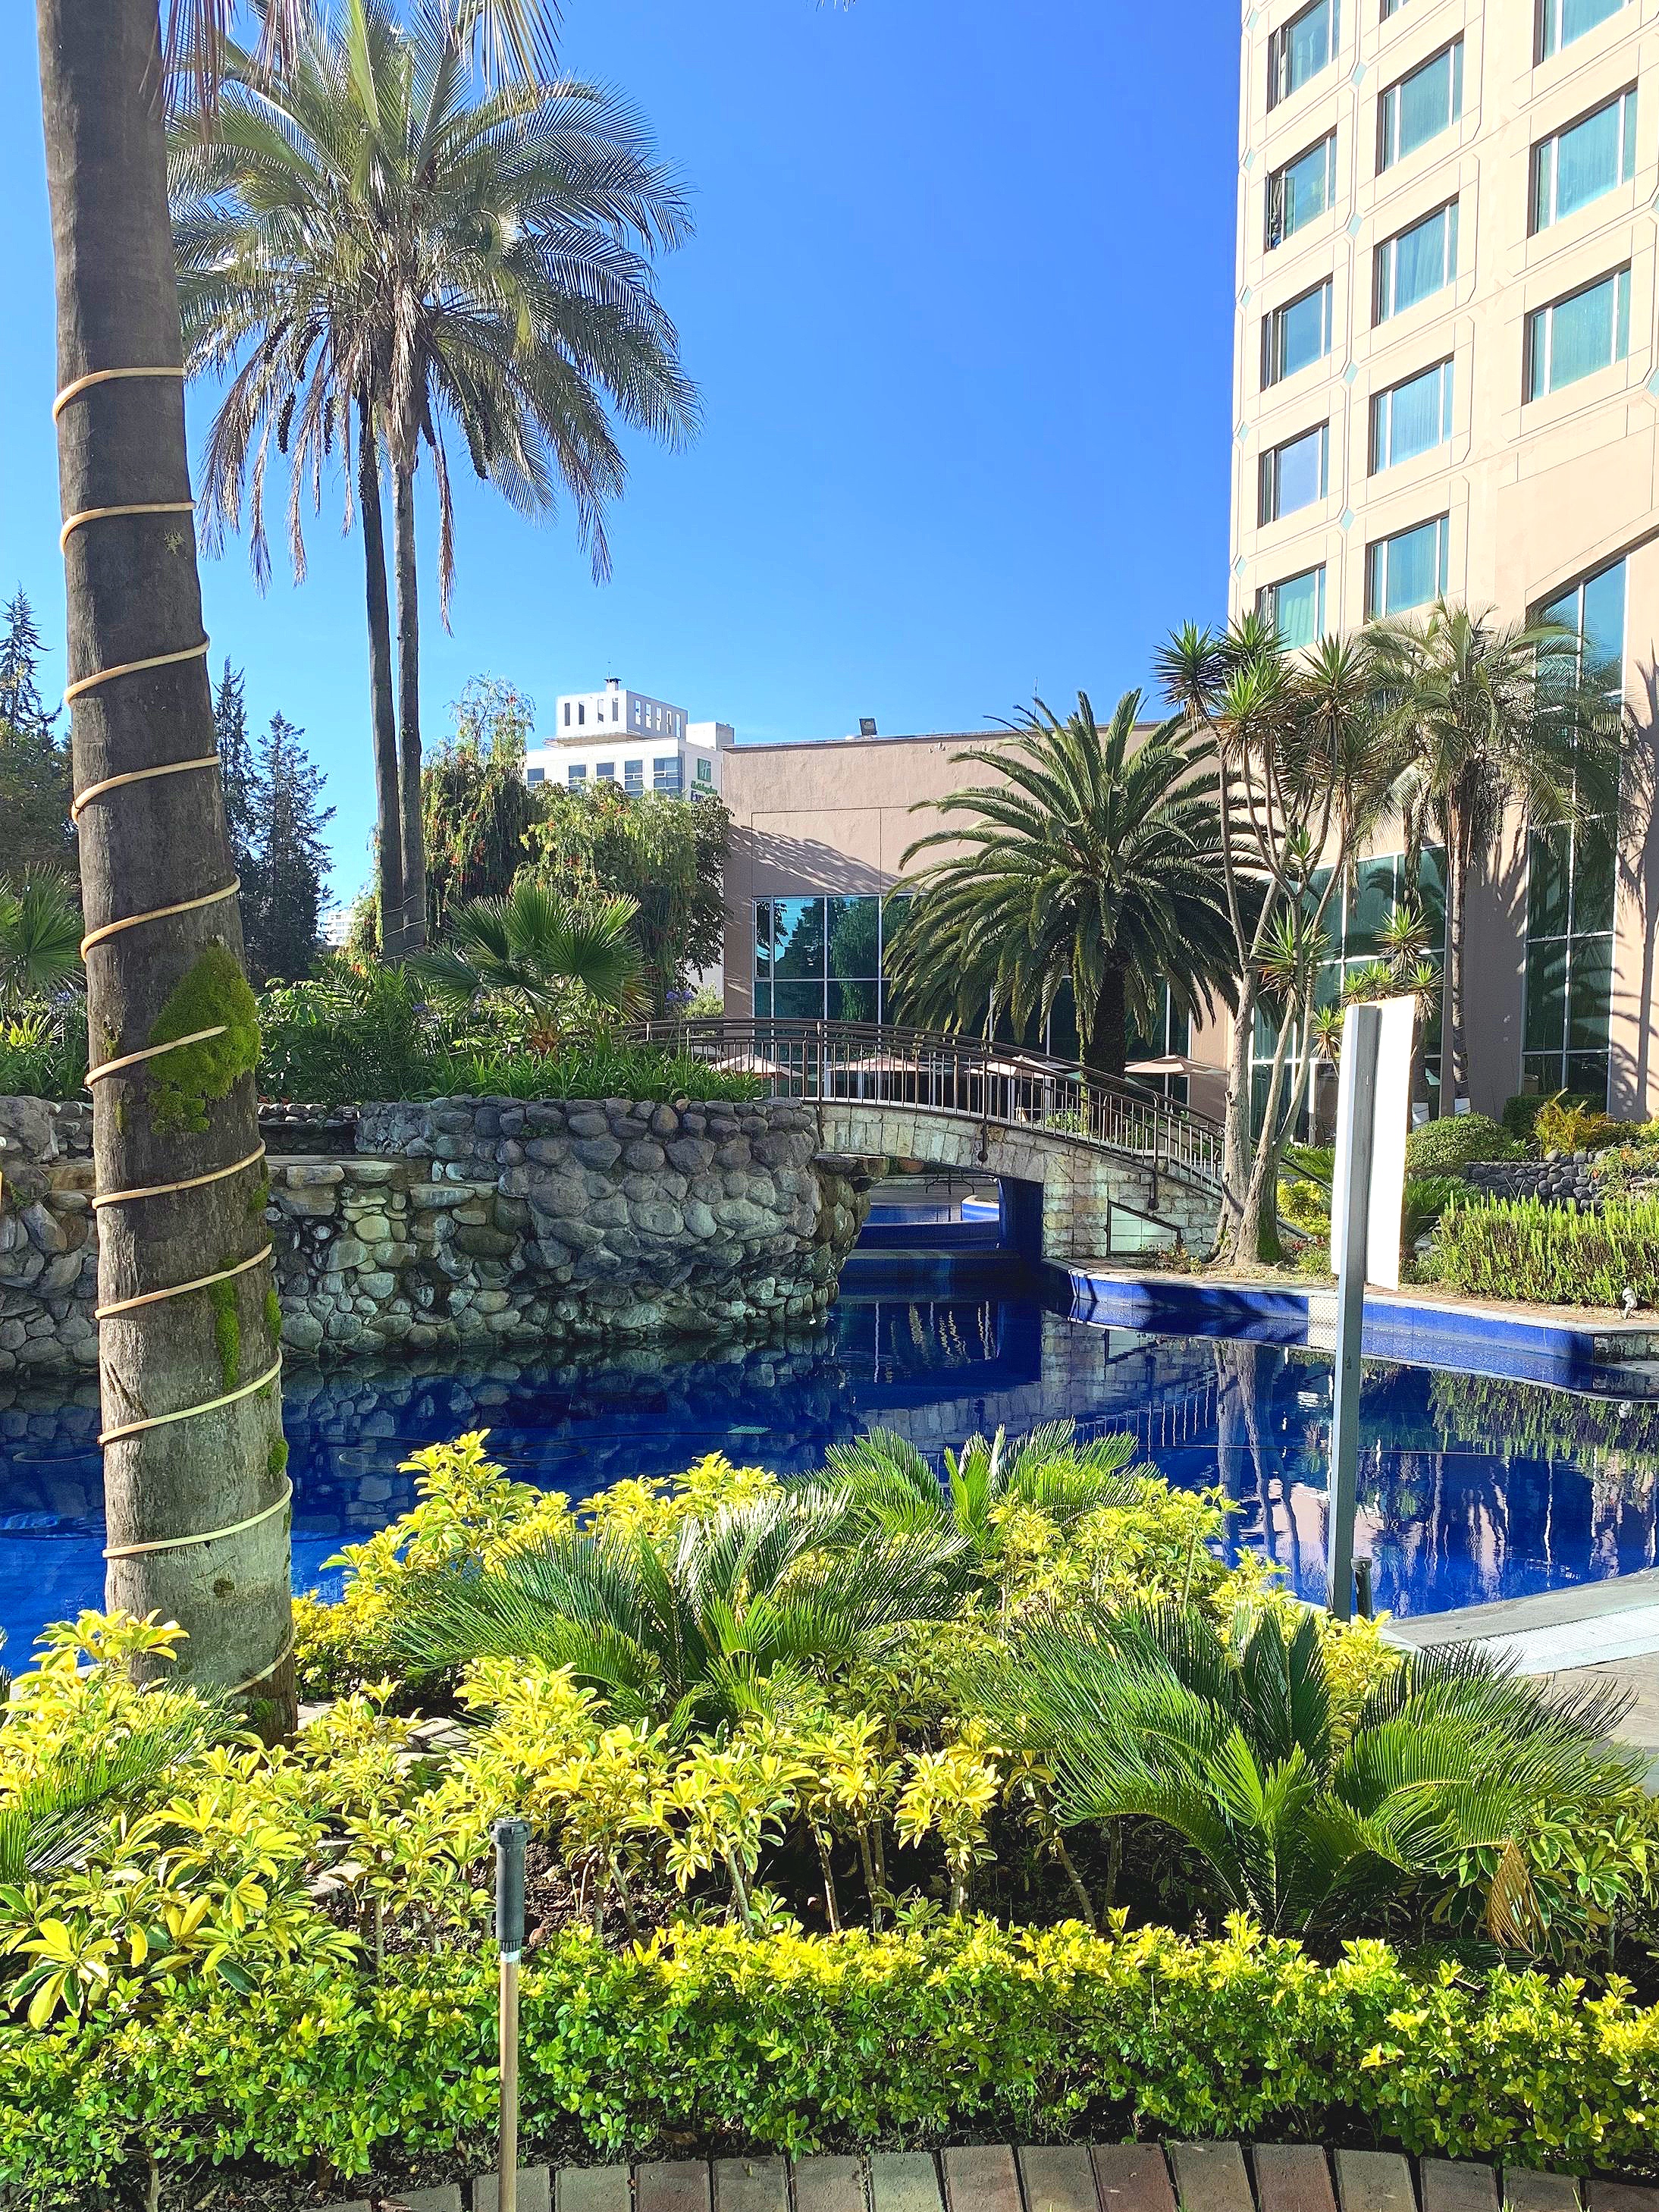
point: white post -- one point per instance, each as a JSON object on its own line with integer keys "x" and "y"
{"x": 1351, "y": 1198}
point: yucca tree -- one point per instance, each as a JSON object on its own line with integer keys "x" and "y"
{"x": 1234, "y": 1747}
{"x": 689, "y": 1629}
{"x": 532, "y": 947}
{"x": 1092, "y": 861}
{"x": 1492, "y": 714}
{"x": 39, "y": 936}
{"x": 891, "y": 1488}
{"x": 374, "y": 251}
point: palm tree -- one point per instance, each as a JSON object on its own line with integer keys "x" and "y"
{"x": 372, "y": 252}
{"x": 39, "y": 937}
{"x": 891, "y": 1488}
{"x": 1492, "y": 713}
{"x": 530, "y": 947}
{"x": 1236, "y": 1748}
{"x": 691, "y": 1628}
{"x": 1093, "y": 862}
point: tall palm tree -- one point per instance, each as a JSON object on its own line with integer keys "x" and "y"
{"x": 1237, "y": 1748}
{"x": 1092, "y": 861}
{"x": 532, "y": 947}
{"x": 134, "y": 596}
{"x": 1493, "y": 713}
{"x": 374, "y": 251}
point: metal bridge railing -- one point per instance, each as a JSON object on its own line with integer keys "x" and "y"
{"x": 854, "y": 1060}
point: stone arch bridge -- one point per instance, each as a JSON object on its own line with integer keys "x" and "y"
{"x": 1093, "y": 1166}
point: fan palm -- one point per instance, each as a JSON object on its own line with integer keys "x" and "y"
{"x": 690, "y": 1628}
{"x": 1092, "y": 861}
{"x": 39, "y": 937}
{"x": 1233, "y": 1746}
{"x": 531, "y": 946}
{"x": 891, "y": 1488}
{"x": 370, "y": 251}
{"x": 1491, "y": 712}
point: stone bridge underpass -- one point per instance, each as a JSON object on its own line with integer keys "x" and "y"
{"x": 1061, "y": 1186}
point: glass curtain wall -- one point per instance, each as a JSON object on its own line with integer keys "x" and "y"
{"x": 1354, "y": 923}
{"x": 1570, "y": 887}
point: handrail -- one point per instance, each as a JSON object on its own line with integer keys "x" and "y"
{"x": 933, "y": 1071}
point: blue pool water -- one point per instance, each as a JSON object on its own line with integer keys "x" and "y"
{"x": 1470, "y": 1488}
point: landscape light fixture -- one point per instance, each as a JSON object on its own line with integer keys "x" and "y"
{"x": 511, "y": 1837}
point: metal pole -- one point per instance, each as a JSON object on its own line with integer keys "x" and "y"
{"x": 510, "y": 1837}
{"x": 1355, "y": 1124}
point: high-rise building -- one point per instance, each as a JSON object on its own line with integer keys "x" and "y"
{"x": 1444, "y": 381}
{"x": 618, "y": 736}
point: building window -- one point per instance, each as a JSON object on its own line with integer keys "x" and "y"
{"x": 1561, "y": 22}
{"x": 665, "y": 773}
{"x": 1295, "y": 335}
{"x": 1391, "y": 8}
{"x": 1300, "y": 190}
{"x": 824, "y": 959}
{"x": 1421, "y": 106}
{"x": 705, "y": 772}
{"x": 1407, "y": 570}
{"x": 578, "y": 774}
{"x": 566, "y": 713}
{"x": 1582, "y": 162}
{"x": 1575, "y": 337}
{"x": 1412, "y": 417}
{"x": 634, "y": 775}
{"x": 1415, "y": 263}
{"x": 1569, "y": 886}
{"x": 1295, "y": 606}
{"x": 1294, "y": 474}
{"x": 535, "y": 776}
{"x": 606, "y": 771}
{"x": 1300, "y": 49}
{"x": 615, "y": 710}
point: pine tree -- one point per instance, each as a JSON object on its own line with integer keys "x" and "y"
{"x": 288, "y": 857}
{"x": 236, "y": 765}
{"x": 34, "y": 766}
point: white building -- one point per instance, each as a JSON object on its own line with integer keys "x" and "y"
{"x": 619, "y": 736}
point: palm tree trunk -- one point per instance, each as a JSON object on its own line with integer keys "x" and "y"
{"x": 134, "y": 595}
{"x": 1452, "y": 1073}
{"x": 388, "y": 813}
{"x": 1107, "y": 1049}
{"x": 409, "y": 703}
{"x": 1236, "y": 1125}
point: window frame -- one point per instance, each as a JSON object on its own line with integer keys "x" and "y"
{"x": 1375, "y": 611}
{"x": 1278, "y": 51}
{"x": 1531, "y": 389}
{"x": 1388, "y": 154}
{"x": 1272, "y": 323}
{"x": 1547, "y": 40}
{"x": 1267, "y": 599}
{"x": 1389, "y": 247}
{"x": 1626, "y": 101}
{"x": 1445, "y": 368}
{"x": 1268, "y": 508}
{"x": 1275, "y": 192}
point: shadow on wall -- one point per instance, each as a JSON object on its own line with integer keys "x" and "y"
{"x": 766, "y": 865}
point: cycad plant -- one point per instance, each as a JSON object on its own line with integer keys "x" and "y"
{"x": 1236, "y": 1746}
{"x": 1091, "y": 861}
{"x": 690, "y": 1628}
{"x": 890, "y": 1485}
{"x": 39, "y": 937}
{"x": 531, "y": 948}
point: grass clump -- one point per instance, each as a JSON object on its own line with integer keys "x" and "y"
{"x": 1521, "y": 1247}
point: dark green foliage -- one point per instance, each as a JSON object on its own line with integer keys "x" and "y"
{"x": 39, "y": 939}
{"x": 288, "y": 859}
{"x": 1151, "y": 1715}
{"x": 693, "y": 1631}
{"x": 34, "y": 763}
{"x": 564, "y": 962}
{"x": 477, "y": 806}
{"x": 1426, "y": 1199}
{"x": 667, "y": 854}
{"x": 1446, "y": 1147}
{"x": 236, "y": 770}
{"x": 214, "y": 993}
{"x": 1519, "y": 1247}
{"x": 1520, "y": 1113}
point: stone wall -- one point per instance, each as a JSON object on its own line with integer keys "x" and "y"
{"x": 466, "y": 1221}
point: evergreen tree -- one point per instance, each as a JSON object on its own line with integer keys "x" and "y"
{"x": 283, "y": 892}
{"x": 34, "y": 766}
{"x": 236, "y": 765}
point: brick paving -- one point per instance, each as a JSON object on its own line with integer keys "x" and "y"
{"x": 1174, "y": 2177}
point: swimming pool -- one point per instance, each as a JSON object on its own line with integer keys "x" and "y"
{"x": 1470, "y": 1488}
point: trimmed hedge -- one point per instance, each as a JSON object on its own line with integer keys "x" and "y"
{"x": 1446, "y": 1146}
{"x": 796, "y": 2042}
{"x": 1519, "y": 1247}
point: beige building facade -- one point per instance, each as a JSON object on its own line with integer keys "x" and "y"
{"x": 1445, "y": 380}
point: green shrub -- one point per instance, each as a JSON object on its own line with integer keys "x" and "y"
{"x": 1446, "y": 1147}
{"x": 1519, "y": 1114}
{"x": 1552, "y": 1254}
{"x": 794, "y": 2042}
{"x": 1570, "y": 1125}
{"x": 43, "y": 1052}
{"x": 1426, "y": 1199}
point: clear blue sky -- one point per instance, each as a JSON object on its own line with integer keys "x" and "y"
{"x": 960, "y": 307}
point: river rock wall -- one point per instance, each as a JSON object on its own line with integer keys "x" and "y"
{"x": 469, "y": 1222}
